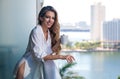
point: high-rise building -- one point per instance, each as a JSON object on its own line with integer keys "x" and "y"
{"x": 97, "y": 18}
{"x": 111, "y": 31}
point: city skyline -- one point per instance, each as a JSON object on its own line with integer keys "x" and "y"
{"x": 79, "y": 10}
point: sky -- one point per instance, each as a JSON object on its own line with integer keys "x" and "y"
{"x": 72, "y": 11}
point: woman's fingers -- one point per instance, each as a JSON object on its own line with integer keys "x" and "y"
{"x": 70, "y": 58}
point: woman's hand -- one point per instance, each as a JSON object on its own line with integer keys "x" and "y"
{"x": 69, "y": 58}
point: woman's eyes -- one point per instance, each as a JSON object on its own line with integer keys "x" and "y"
{"x": 53, "y": 18}
{"x": 50, "y": 17}
{"x": 46, "y": 17}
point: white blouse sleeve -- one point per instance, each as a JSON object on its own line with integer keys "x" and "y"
{"x": 37, "y": 46}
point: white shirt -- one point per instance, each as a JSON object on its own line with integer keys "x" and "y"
{"x": 35, "y": 66}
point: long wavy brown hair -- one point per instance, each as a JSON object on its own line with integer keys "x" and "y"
{"x": 54, "y": 30}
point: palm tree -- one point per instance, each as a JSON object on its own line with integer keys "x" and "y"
{"x": 118, "y": 77}
{"x": 69, "y": 74}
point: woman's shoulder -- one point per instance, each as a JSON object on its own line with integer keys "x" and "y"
{"x": 36, "y": 29}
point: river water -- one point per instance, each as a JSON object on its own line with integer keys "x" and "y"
{"x": 95, "y": 65}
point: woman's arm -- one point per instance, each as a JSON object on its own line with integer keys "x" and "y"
{"x": 69, "y": 58}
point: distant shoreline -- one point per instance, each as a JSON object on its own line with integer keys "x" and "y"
{"x": 78, "y": 50}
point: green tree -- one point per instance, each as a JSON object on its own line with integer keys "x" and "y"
{"x": 118, "y": 77}
{"x": 77, "y": 45}
{"x": 69, "y": 74}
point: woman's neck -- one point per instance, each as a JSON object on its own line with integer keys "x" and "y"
{"x": 45, "y": 29}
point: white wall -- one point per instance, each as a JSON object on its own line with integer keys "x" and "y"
{"x": 17, "y": 18}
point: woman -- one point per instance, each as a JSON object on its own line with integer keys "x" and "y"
{"x": 43, "y": 48}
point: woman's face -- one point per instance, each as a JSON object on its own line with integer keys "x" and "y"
{"x": 48, "y": 19}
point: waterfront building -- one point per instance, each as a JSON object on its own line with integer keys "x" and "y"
{"x": 111, "y": 31}
{"x": 97, "y": 18}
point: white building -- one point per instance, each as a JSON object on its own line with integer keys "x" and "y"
{"x": 111, "y": 33}
{"x": 97, "y": 18}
